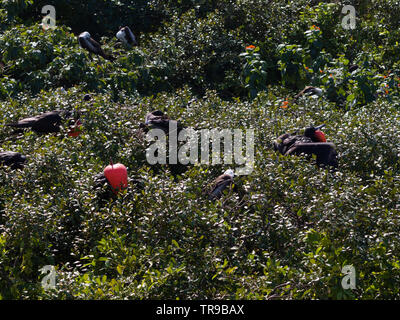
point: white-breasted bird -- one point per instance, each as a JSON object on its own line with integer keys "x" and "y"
{"x": 224, "y": 181}
{"x": 126, "y": 35}
{"x": 91, "y": 45}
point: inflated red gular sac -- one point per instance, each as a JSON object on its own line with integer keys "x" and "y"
{"x": 117, "y": 176}
{"x": 317, "y": 135}
{"x": 76, "y": 129}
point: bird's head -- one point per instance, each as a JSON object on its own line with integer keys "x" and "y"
{"x": 121, "y": 36}
{"x": 158, "y": 113}
{"x": 315, "y": 133}
{"x": 73, "y": 121}
{"x": 152, "y": 114}
{"x": 85, "y": 35}
{"x": 230, "y": 173}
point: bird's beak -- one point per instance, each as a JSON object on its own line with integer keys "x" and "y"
{"x": 320, "y": 127}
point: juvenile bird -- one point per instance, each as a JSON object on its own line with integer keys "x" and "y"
{"x": 126, "y": 36}
{"x": 221, "y": 183}
{"x": 91, "y": 45}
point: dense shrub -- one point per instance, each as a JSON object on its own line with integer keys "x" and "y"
{"x": 291, "y": 228}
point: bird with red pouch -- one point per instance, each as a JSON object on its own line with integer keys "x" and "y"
{"x": 312, "y": 142}
{"x": 112, "y": 180}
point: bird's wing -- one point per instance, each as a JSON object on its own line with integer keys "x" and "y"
{"x": 220, "y": 184}
{"x": 95, "y": 47}
{"x": 46, "y": 122}
{"x": 6, "y": 156}
{"x": 130, "y": 35}
{"x": 158, "y": 122}
{"x": 100, "y": 180}
{"x": 325, "y": 152}
{"x": 286, "y": 141}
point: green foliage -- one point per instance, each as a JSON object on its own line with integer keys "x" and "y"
{"x": 254, "y": 71}
{"x": 294, "y": 227}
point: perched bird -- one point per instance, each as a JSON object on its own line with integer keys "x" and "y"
{"x": 104, "y": 190}
{"x": 91, "y": 45}
{"x": 48, "y": 122}
{"x": 313, "y": 141}
{"x": 221, "y": 183}
{"x": 126, "y": 36}
{"x": 309, "y": 91}
{"x": 158, "y": 120}
{"x": 15, "y": 160}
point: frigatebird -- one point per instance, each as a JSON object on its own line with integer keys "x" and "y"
{"x": 126, "y": 36}
{"x": 158, "y": 120}
{"x": 91, "y": 45}
{"x": 104, "y": 190}
{"x": 221, "y": 183}
{"x": 313, "y": 141}
{"x": 15, "y": 160}
{"x": 48, "y": 122}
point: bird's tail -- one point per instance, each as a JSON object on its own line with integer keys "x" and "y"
{"x": 19, "y": 125}
{"x": 15, "y": 125}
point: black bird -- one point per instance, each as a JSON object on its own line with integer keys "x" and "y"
{"x": 48, "y": 122}
{"x": 15, "y": 160}
{"x": 91, "y": 45}
{"x": 158, "y": 120}
{"x": 221, "y": 183}
{"x": 126, "y": 36}
{"x": 312, "y": 142}
{"x": 104, "y": 190}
